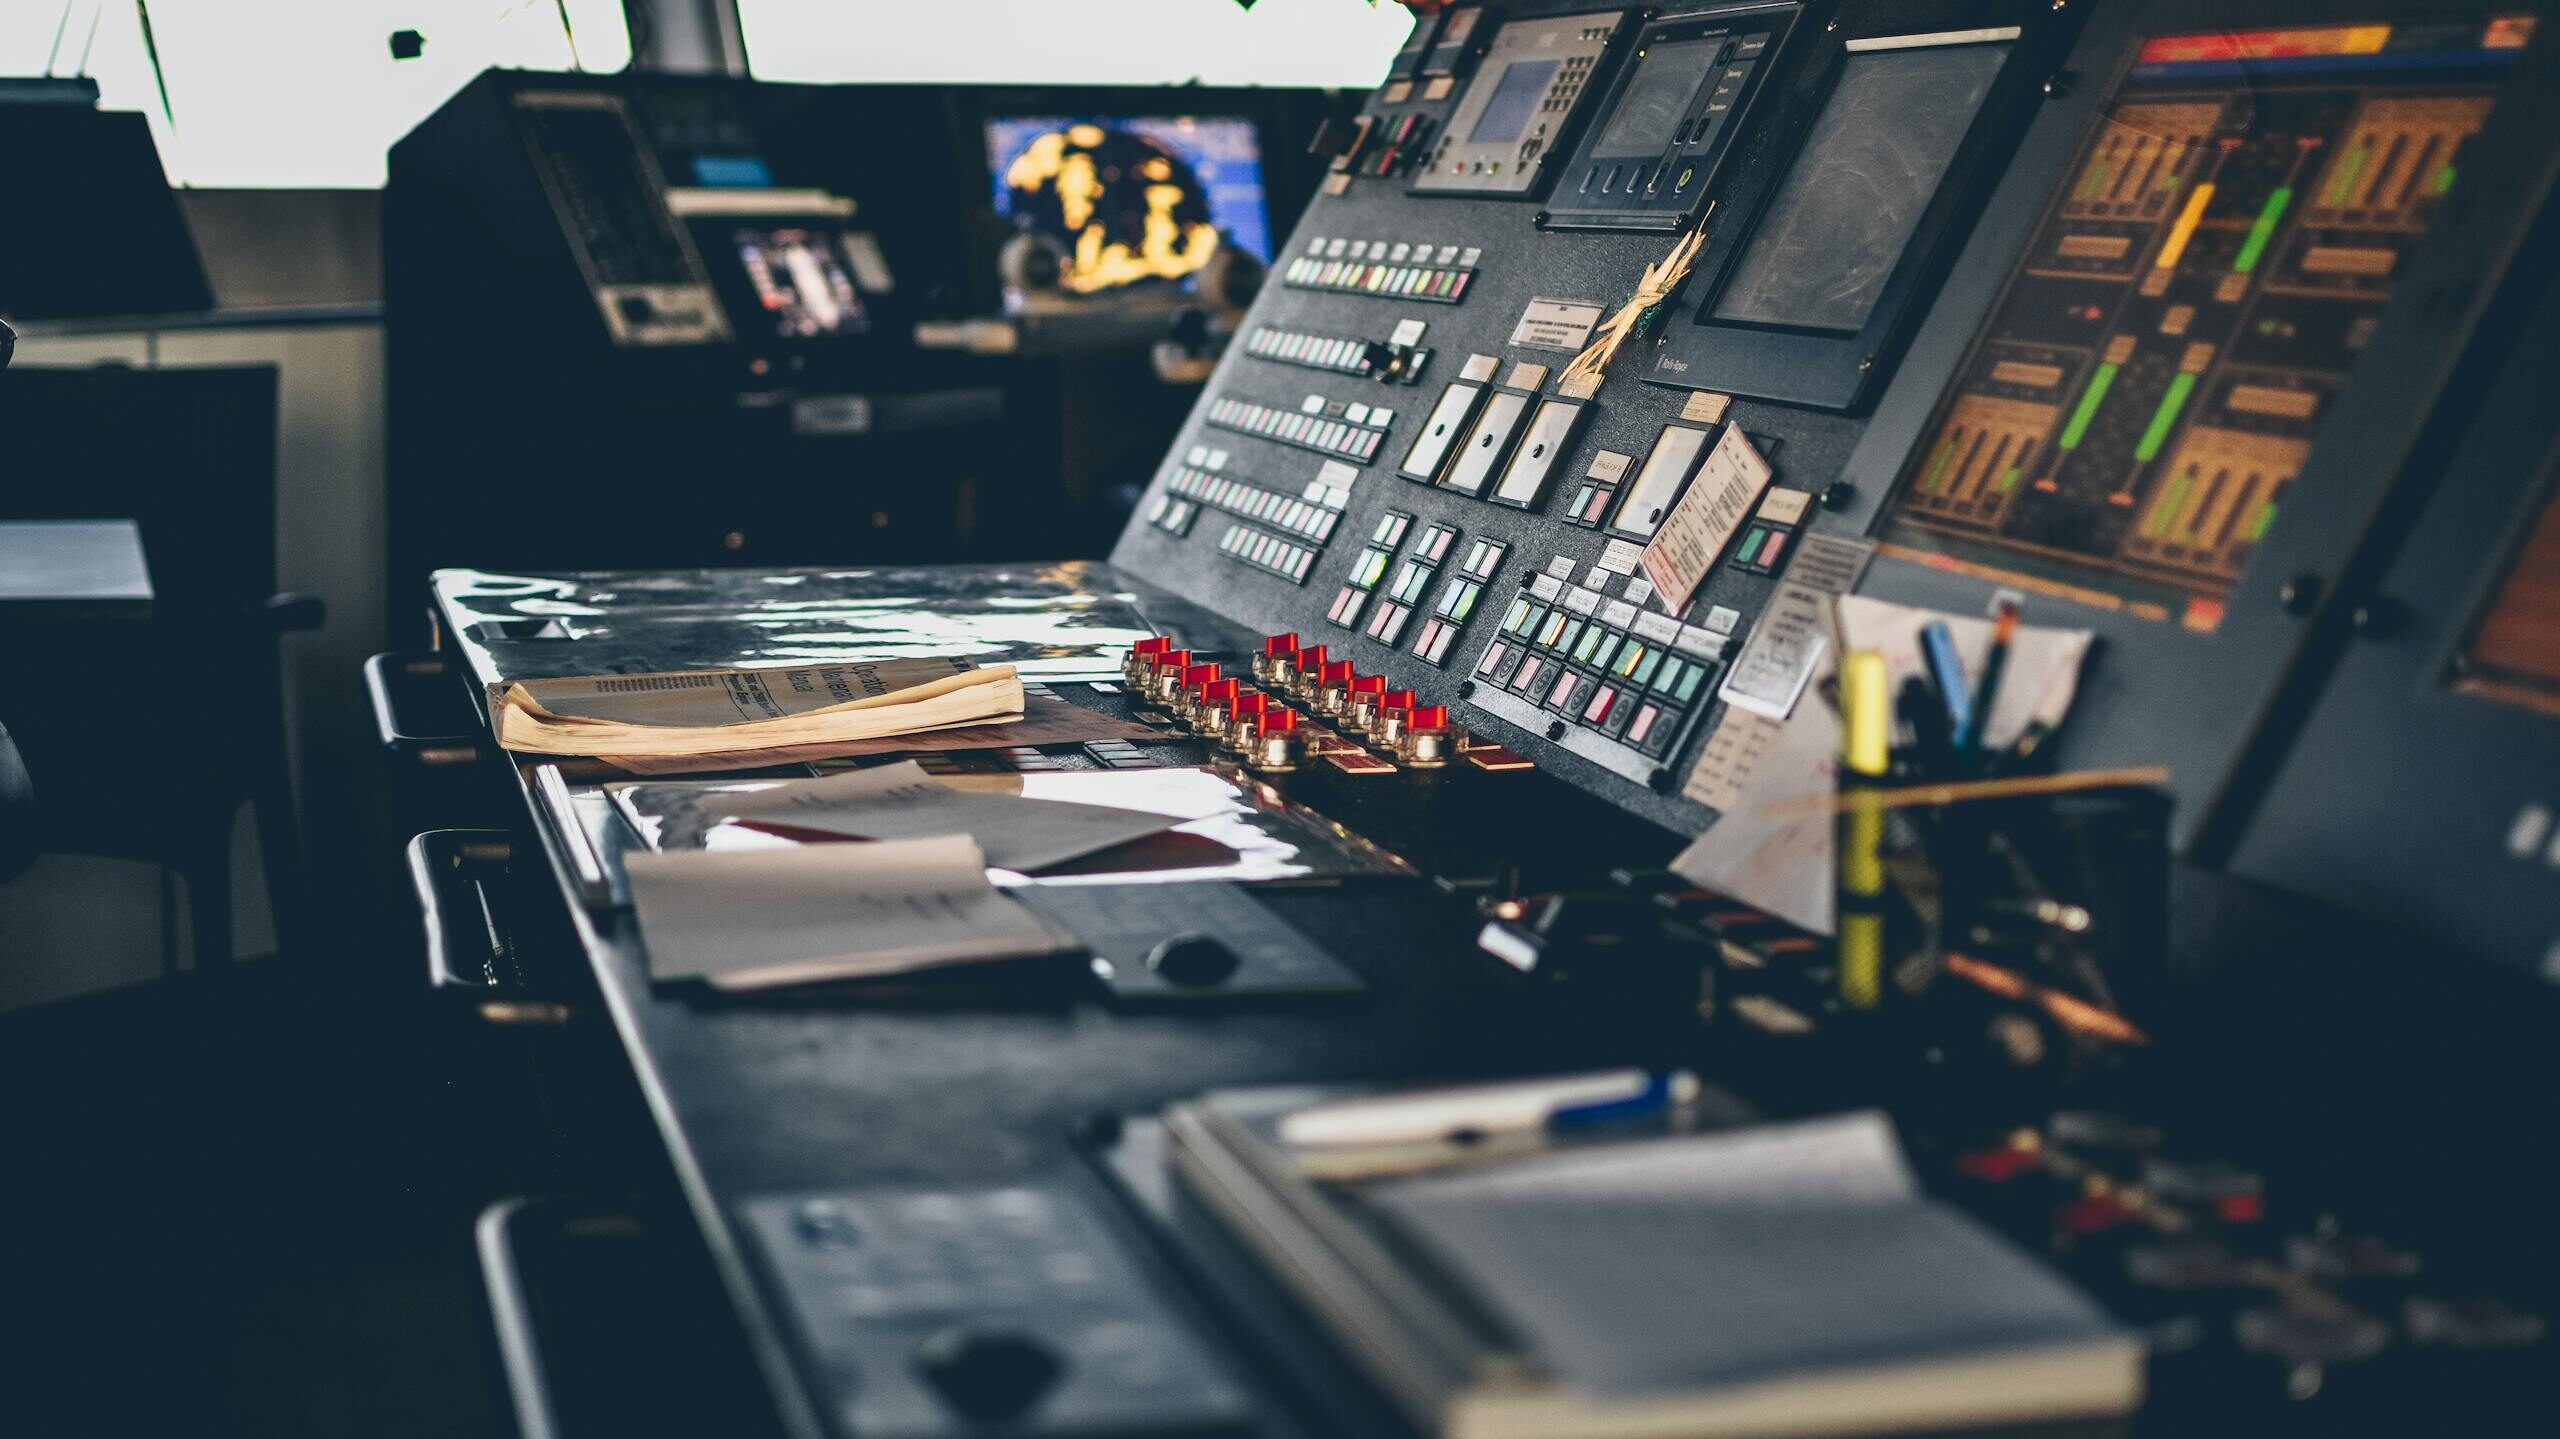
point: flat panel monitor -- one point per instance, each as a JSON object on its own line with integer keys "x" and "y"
{"x": 802, "y": 280}
{"x": 1802, "y": 298}
{"x": 1132, "y": 201}
{"x": 2190, "y": 387}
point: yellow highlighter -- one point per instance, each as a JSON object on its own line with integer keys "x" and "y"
{"x": 1865, "y": 746}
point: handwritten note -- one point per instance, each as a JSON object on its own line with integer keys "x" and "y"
{"x": 1704, "y": 521}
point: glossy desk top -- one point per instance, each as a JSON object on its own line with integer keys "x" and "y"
{"x": 73, "y": 569}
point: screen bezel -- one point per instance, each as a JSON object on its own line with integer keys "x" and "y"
{"x": 1568, "y": 211}
{"x": 2208, "y": 705}
{"x": 1834, "y": 369}
{"x": 2334, "y": 823}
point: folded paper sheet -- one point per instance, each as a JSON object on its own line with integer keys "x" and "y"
{"x": 729, "y": 711}
{"x": 901, "y": 801}
{"x": 756, "y": 919}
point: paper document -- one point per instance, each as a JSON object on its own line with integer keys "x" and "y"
{"x": 901, "y": 801}
{"x": 1773, "y": 780}
{"x": 1045, "y": 719}
{"x": 731, "y": 710}
{"x": 1782, "y": 1279}
{"x": 1705, "y": 519}
{"x": 755, "y": 919}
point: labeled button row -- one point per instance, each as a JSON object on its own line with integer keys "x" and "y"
{"x": 1172, "y": 514}
{"x": 1432, "y": 283}
{"x": 1269, "y": 552}
{"x": 1315, "y": 520}
{"x": 1318, "y": 432}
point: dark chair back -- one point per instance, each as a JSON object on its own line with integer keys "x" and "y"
{"x": 188, "y": 453}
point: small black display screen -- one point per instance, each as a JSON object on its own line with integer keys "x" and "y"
{"x": 1514, "y": 101}
{"x": 1666, "y": 77}
{"x": 1834, "y": 235}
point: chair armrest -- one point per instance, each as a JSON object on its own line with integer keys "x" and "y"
{"x": 17, "y": 811}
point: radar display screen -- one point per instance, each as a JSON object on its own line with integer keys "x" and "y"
{"x": 802, "y": 282}
{"x": 1832, "y": 237}
{"x": 2514, "y": 655}
{"x": 1131, "y": 201}
{"x": 2125, "y": 429}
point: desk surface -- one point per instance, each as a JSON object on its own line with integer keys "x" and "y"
{"x": 73, "y": 569}
{"x": 770, "y": 1094}
{"x": 762, "y": 1094}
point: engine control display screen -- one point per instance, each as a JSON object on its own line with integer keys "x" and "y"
{"x": 1666, "y": 77}
{"x": 1834, "y": 234}
{"x": 1515, "y": 101}
{"x": 1132, "y": 201}
{"x": 2127, "y": 426}
{"x": 801, "y": 281}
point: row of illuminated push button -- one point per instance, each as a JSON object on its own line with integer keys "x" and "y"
{"x": 1376, "y": 267}
{"x": 1636, "y": 689}
{"x": 1258, "y": 722}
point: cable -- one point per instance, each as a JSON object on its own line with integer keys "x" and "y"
{"x": 159, "y": 77}
{"x": 61, "y": 27}
{"x": 569, "y": 33}
{"x": 96, "y": 13}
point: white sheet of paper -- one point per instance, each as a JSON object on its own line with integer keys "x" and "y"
{"x": 1782, "y": 862}
{"x": 754, "y": 919}
{"x": 2043, "y": 673}
{"x": 1785, "y": 649}
{"x": 901, "y": 801}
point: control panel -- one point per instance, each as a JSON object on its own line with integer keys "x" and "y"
{"x": 1440, "y": 449}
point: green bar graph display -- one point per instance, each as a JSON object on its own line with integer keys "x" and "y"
{"x": 2088, "y": 407}
{"x": 2343, "y": 182}
{"x": 2263, "y": 231}
{"x": 2164, "y": 419}
{"x": 2165, "y": 512}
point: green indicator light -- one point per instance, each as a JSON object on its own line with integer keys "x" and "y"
{"x": 2157, "y": 527}
{"x": 2263, "y": 231}
{"x": 2008, "y": 481}
{"x": 2164, "y": 418}
{"x": 2095, "y": 182}
{"x": 1938, "y": 467}
{"x": 1751, "y": 544}
{"x": 2343, "y": 182}
{"x": 2258, "y": 524}
{"x": 2088, "y": 408}
{"x": 2441, "y": 181}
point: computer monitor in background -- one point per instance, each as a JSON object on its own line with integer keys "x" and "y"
{"x": 1131, "y": 201}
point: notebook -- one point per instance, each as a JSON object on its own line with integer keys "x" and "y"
{"x": 1775, "y": 1280}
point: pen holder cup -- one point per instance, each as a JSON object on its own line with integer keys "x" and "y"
{"x": 2037, "y": 920}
